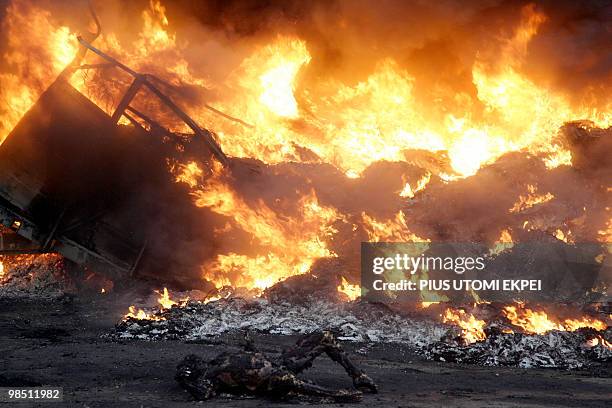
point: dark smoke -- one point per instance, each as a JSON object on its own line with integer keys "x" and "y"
{"x": 436, "y": 41}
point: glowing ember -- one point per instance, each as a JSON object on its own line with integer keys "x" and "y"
{"x": 563, "y": 236}
{"x": 472, "y": 329}
{"x": 605, "y": 235}
{"x": 598, "y": 341}
{"x": 531, "y": 199}
{"x": 350, "y": 290}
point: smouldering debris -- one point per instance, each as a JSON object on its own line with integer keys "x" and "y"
{"x": 465, "y": 340}
{"x": 555, "y": 349}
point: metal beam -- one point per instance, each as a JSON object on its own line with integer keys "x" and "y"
{"x": 141, "y": 79}
{"x": 127, "y": 98}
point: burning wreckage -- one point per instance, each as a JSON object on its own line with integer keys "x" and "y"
{"x": 93, "y": 194}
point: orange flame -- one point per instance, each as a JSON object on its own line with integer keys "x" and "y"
{"x": 38, "y": 50}
{"x": 409, "y": 192}
{"x": 140, "y": 314}
{"x": 350, "y": 290}
{"x": 348, "y": 125}
{"x": 190, "y": 174}
{"x": 503, "y": 243}
{"x": 164, "y": 301}
{"x": 531, "y": 199}
{"x": 292, "y": 244}
{"x": 539, "y": 322}
{"x": 392, "y": 230}
{"x": 472, "y": 329}
{"x": 598, "y": 341}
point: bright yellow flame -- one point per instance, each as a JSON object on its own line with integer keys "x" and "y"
{"x": 539, "y": 322}
{"x": 408, "y": 192}
{"x": 291, "y": 244}
{"x": 278, "y": 83}
{"x": 154, "y": 36}
{"x": 38, "y": 51}
{"x": 349, "y": 125}
{"x": 392, "y": 230}
{"x": 140, "y": 314}
{"x": 559, "y": 157}
{"x": 503, "y": 243}
{"x": 472, "y": 329}
{"x": 190, "y": 174}
{"x": 353, "y": 126}
{"x": 164, "y": 299}
{"x": 350, "y": 290}
{"x": 470, "y": 151}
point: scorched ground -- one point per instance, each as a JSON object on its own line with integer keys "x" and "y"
{"x": 175, "y": 174}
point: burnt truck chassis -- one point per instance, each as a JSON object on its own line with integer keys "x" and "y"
{"x": 57, "y": 140}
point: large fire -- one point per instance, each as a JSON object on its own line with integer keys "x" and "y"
{"x": 286, "y": 106}
{"x": 32, "y": 36}
{"x": 292, "y": 244}
{"x": 349, "y": 126}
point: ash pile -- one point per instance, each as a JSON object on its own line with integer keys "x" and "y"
{"x": 299, "y": 305}
{"x": 582, "y": 348}
{"x": 363, "y": 322}
{"x": 35, "y": 277}
{"x": 352, "y": 321}
{"x": 293, "y": 307}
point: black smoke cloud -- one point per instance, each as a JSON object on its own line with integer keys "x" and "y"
{"x": 437, "y": 42}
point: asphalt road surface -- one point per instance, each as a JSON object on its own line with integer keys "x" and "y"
{"x": 58, "y": 344}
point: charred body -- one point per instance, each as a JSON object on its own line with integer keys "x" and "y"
{"x": 252, "y": 372}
